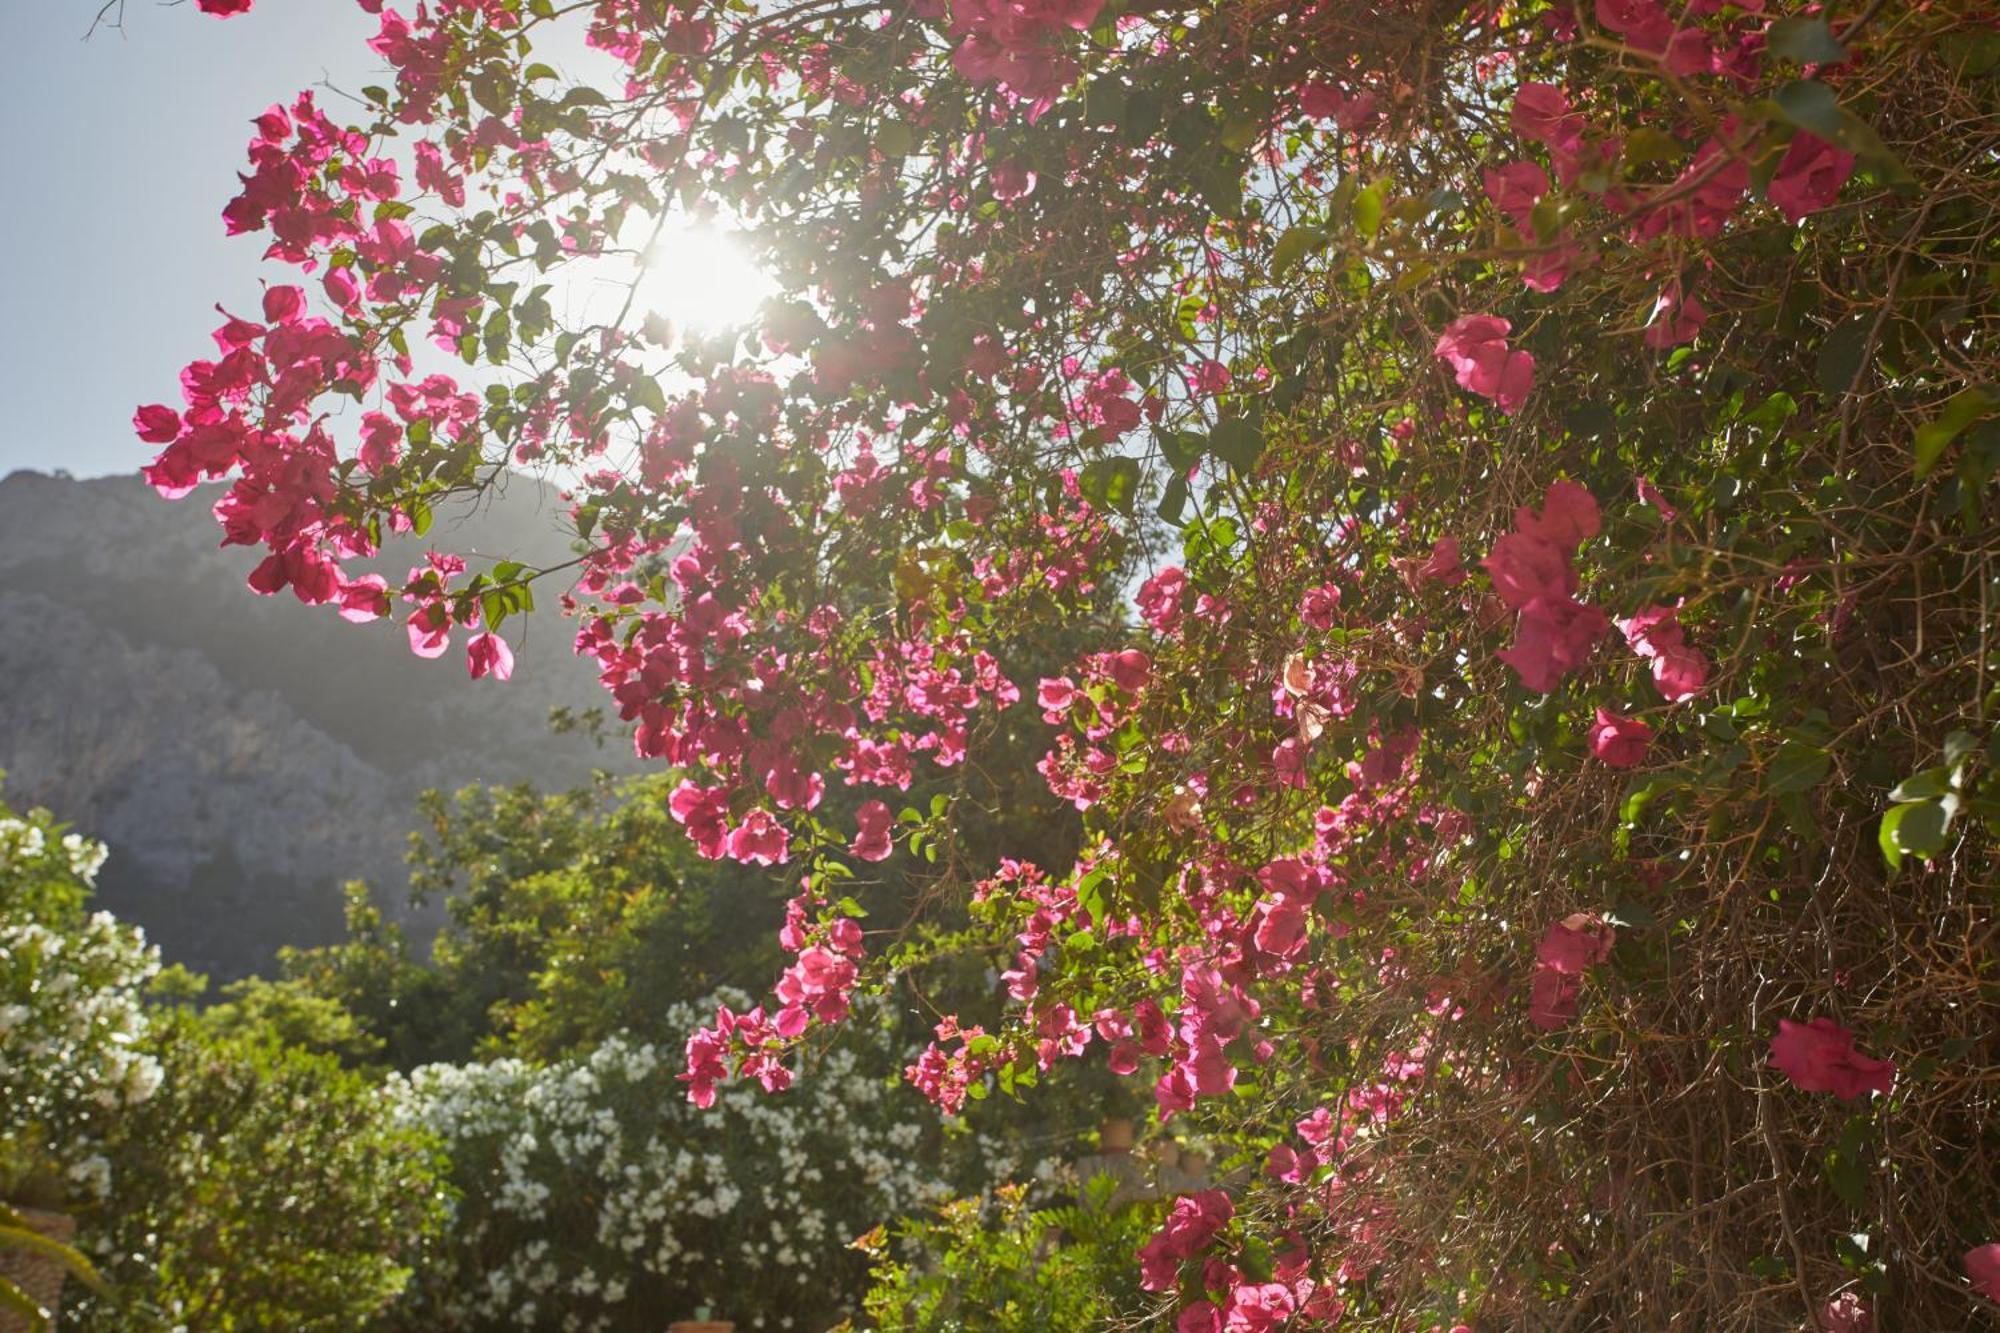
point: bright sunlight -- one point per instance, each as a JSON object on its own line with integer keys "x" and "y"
{"x": 699, "y": 277}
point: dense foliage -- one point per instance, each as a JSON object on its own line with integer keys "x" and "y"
{"x": 220, "y": 1181}
{"x": 1540, "y": 807}
{"x": 1011, "y": 1266}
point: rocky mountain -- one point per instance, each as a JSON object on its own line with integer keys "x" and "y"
{"x": 245, "y": 755}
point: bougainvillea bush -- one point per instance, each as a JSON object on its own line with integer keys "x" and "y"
{"x": 1540, "y": 791}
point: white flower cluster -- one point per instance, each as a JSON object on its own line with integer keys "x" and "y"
{"x": 23, "y": 844}
{"x": 594, "y": 1182}
{"x": 70, "y": 1029}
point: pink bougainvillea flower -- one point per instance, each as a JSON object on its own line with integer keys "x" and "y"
{"x": 1819, "y": 1056}
{"x": 1644, "y": 24}
{"x": 1809, "y": 176}
{"x": 1554, "y": 637}
{"x": 157, "y": 423}
{"x": 1677, "y": 318}
{"x": 1201, "y": 1317}
{"x": 1576, "y": 942}
{"x": 224, "y": 9}
{"x": 1847, "y": 1313}
{"x": 1680, "y": 673}
{"x": 283, "y": 304}
{"x": 1552, "y": 1000}
{"x": 1982, "y": 1265}
{"x": 1679, "y": 669}
{"x": 1526, "y": 569}
{"x": 1619, "y": 742}
{"x": 1567, "y": 950}
{"x": 430, "y": 631}
{"x": 1689, "y": 53}
{"x": 1650, "y": 494}
{"x": 1190, "y": 1226}
{"x": 364, "y": 599}
{"x": 759, "y": 840}
{"x": 1011, "y": 180}
{"x": 1475, "y": 347}
{"x": 1568, "y": 516}
{"x": 1516, "y": 188}
{"x": 1259, "y": 1307}
{"x": 871, "y": 839}
{"x": 488, "y": 655}
{"x": 1542, "y": 113}
{"x": 341, "y": 287}
{"x": 704, "y": 812}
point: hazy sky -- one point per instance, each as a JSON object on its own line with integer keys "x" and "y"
{"x": 116, "y": 159}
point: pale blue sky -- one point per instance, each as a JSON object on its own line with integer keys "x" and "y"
{"x": 116, "y": 157}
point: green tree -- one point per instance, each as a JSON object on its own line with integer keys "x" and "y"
{"x": 264, "y": 1188}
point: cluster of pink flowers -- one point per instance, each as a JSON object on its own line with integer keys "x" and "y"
{"x": 1533, "y": 575}
{"x": 1475, "y": 347}
{"x": 1656, "y": 634}
{"x": 1018, "y": 44}
{"x": 1569, "y": 948}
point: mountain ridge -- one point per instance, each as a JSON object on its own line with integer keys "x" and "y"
{"x": 244, "y": 755}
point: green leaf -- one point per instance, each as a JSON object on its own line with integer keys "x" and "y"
{"x": 1111, "y": 483}
{"x": 1924, "y": 786}
{"x": 894, "y": 140}
{"x": 1797, "y": 767}
{"x": 1367, "y": 209}
{"x": 1846, "y": 1163}
{"x": 1294, "y": 246}
{"x": 1804, "y": 41}
{"x": 1810, "y": 105}
{"x": 1237, "y": 443}
{"x": 1841, "y": 352}
{"x": 647, "y": 393}
{"x": 1649, "y": 144}
{"x": 1916, "y": 829}
{"x": 1966, "y": 406}
{"x": 1173, "y": 501}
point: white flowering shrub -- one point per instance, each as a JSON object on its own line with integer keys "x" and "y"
{"x": 594, "y": 1197}
{"x": 71, "y": 1024}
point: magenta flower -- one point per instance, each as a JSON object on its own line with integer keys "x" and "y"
{"x": 1475, "y": 347}
{"x": 1569, "y": 948}
{"x": 1542, "y": 113}
{"x": 1516, "y": 188}
{"x": 871, "y": 838}
{"x": 489, "y": 655}
{"x": 1847, "y": 1313}
{"x": 1819, "y": 1056}
{"x": 1982, "y": 1265}
{"x": 1555, "y": 637}
{"x": 1809, "y": 177}
{"x": 1619, "y": 741}
{"x": 759, "y": 839}
{"x": 1575, "y": 943}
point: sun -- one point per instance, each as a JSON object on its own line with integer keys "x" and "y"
{"x": 700, "y": 277}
